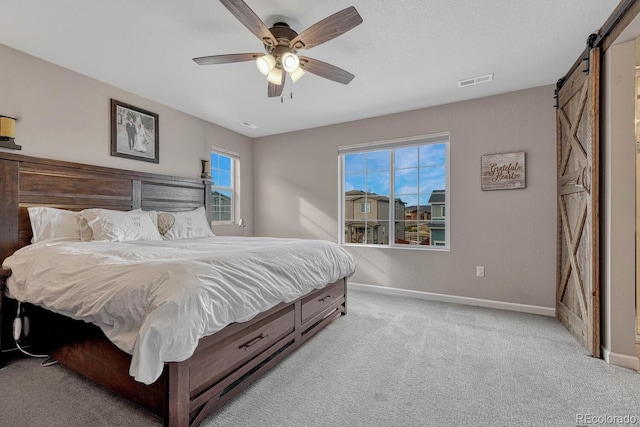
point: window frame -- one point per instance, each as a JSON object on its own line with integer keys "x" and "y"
{"x": 437, "y": 138}
{"x": 366, "y": 206}
{"x": 233, "y": 188}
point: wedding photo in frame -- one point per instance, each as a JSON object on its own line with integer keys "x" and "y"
{"x": 134, "y": 133}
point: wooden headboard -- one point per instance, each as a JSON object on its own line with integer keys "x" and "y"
{"x": 31, "y": 181}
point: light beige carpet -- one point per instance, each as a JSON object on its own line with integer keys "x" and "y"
{"x": 390, "y": 362}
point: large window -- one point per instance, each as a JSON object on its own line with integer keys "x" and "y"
{"x": 395, "y": 193}
{"x": 224, "y": 168}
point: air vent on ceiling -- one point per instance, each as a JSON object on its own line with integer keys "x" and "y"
{"x": 249, "y": 125}
{"x": 475, "y": 80}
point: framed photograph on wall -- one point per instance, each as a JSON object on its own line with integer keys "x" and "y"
{"x": 134, "y": 133}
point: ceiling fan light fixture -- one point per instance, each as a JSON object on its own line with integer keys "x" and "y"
{"x": 295, "y": 75}
{"x": 265, "y": 63}
{"x": 290, "y": 62}
{"x": 275, "y": 76}
{"x": 281, "y": 44}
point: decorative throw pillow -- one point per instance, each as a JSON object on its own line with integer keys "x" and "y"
{"x": 165, "y": 222}
{"x": 119, "y": 226}
{"x": 184, "y": 225}
{"x": 57, "y": 224}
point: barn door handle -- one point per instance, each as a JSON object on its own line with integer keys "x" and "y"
{"x": 253, "y": 341}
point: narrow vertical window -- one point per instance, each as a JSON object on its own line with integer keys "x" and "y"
{"x": 224, "y": 168}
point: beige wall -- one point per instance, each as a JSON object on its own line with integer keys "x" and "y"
{"x": 65, "y": 115}
{"x": 512, "y": 233}
{"x": 618, "y": 205}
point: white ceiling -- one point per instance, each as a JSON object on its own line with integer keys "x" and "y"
{"x": 407, "y": 54}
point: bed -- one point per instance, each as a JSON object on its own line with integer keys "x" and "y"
{"x": 222, "y": 363}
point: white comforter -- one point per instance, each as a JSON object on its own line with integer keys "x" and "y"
{"x": 155, "y": 300}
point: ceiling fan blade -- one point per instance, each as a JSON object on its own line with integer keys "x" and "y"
{"x": 327, "y": 29}
{"x": 274, "y": 90}
{"x": 249, "y": 19}
{"x": 226, "y": 59}
{"x": 325, "y": 70}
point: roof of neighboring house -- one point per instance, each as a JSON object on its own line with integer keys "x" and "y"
{"x": 437, "y": 196}
{"x": 220, "y": 195}
{"x": 358, "y": 194}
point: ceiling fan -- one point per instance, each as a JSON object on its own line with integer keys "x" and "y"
{"x": 282, "y": 44}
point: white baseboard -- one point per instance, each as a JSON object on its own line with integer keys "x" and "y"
{"x": 500, "y": 305}
{"x": 622, "y": 360}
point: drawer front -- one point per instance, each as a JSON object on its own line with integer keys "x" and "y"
{"x": 239, "y": 348}
{"x": 319, "y": 300}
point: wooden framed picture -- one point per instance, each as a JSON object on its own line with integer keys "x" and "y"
{"x": 505, "y": 171}
{"x": 134, "y": 133}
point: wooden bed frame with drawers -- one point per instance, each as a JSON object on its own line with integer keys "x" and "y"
{"x": 224, "y": 363}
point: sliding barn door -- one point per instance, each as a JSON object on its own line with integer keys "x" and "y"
{"x": 578, "y": 296}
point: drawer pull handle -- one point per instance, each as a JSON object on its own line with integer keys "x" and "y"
{"x": 253, "y": 341}
{"x": 324, "y": 298}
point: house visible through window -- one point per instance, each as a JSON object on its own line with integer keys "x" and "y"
{"x": 395, "y": 193}
{"x": 224, "y": 167}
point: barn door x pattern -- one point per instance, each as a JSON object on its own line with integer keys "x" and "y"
{"x": 577, "y": 297}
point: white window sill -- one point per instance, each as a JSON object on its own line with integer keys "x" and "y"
{"x": 404, "y": 247}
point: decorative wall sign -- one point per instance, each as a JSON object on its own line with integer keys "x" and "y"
{"x": 504, "y": 171}
{"x": 134, "y": 133}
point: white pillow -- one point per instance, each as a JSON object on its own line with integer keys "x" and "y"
{"x": 154, "y": 215}
{"x": 119, "y": 226}
{"x": 57, "y": 224}
{"x": 184, "y": 225}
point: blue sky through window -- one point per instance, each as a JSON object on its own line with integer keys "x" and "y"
{"x": 418, "y": 170}
{"x": 221, "y": 170}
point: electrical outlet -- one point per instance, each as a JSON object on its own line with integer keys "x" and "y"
{"x": 480, "y": 271}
